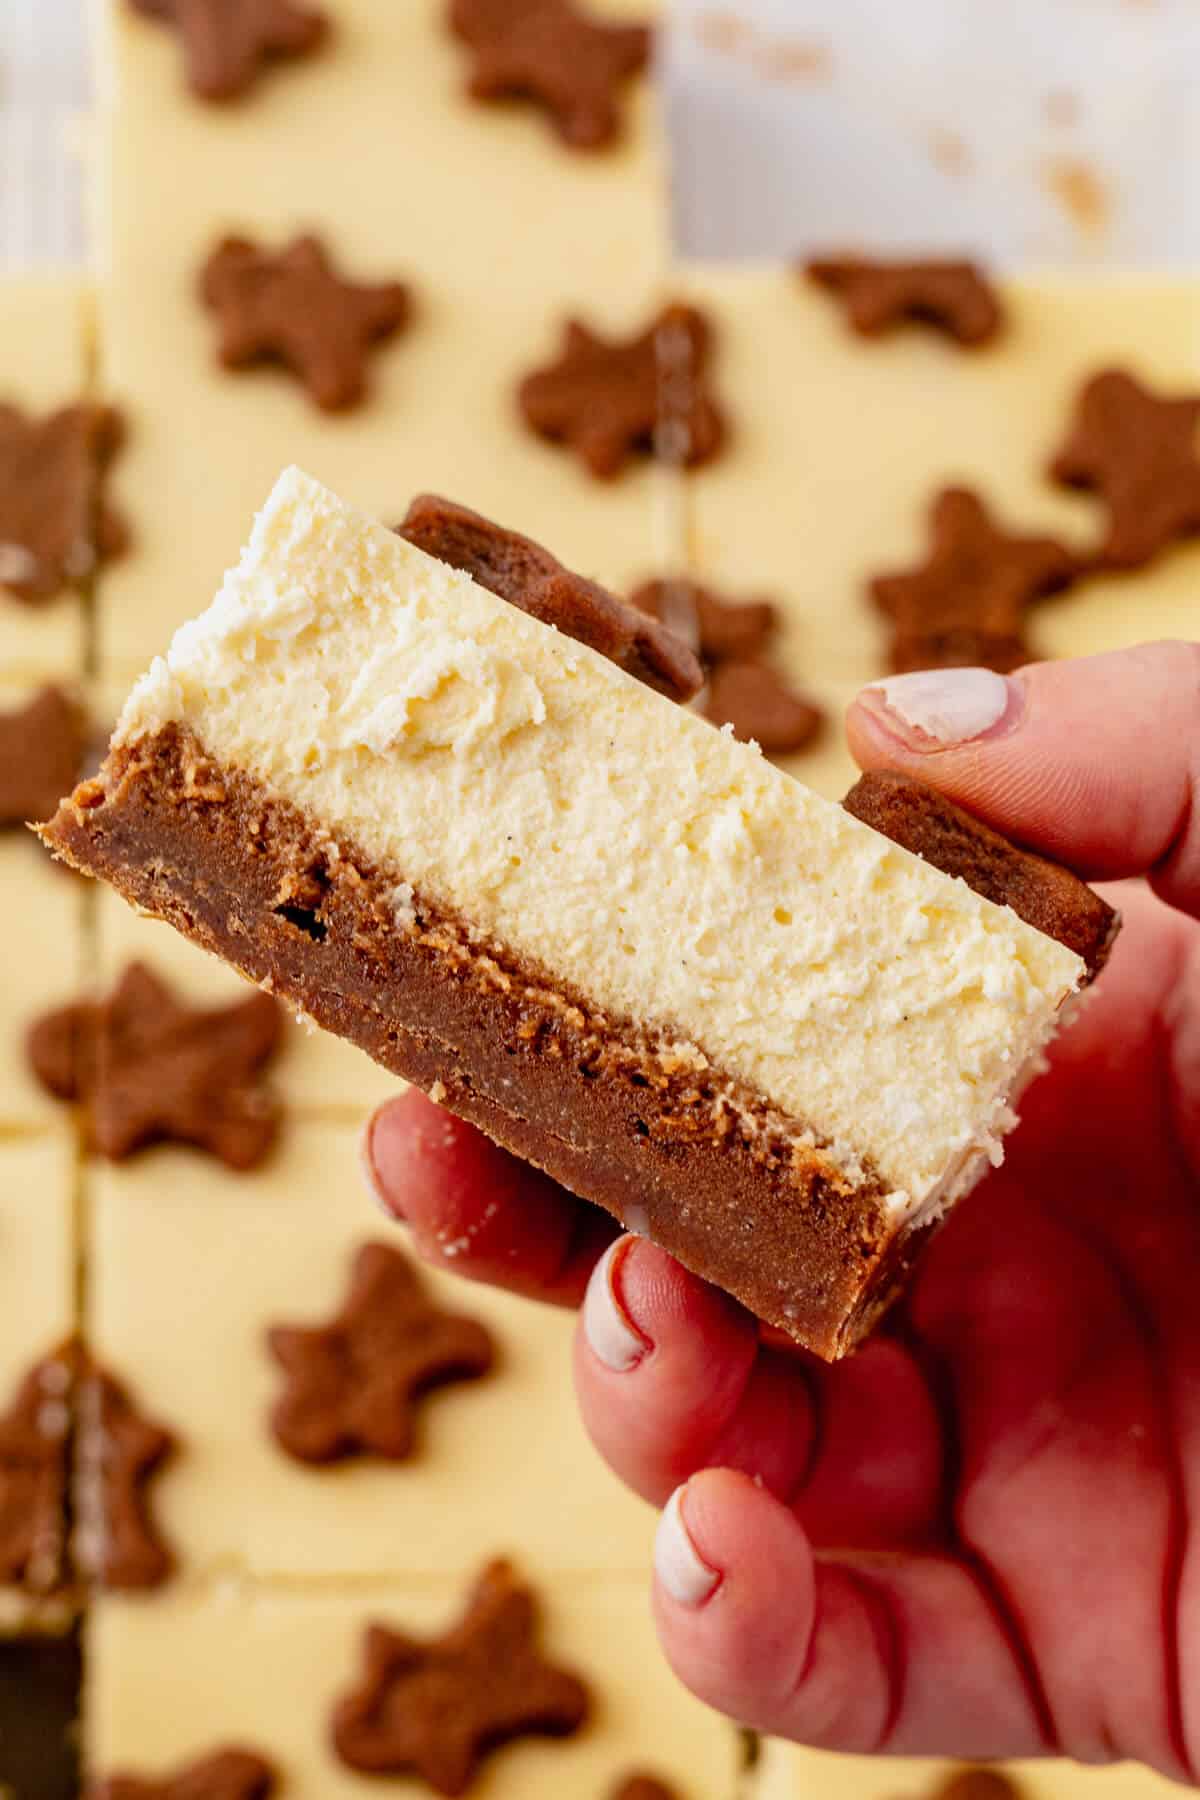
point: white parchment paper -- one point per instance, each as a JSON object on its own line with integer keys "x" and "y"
{"x": 1033, "y": 132}
{"x": 44, "y": 90}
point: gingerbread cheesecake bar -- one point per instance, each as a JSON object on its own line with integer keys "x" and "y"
{"x": 447, "y": 806}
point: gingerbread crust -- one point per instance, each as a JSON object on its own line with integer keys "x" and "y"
{"x": 643, "y": 1127}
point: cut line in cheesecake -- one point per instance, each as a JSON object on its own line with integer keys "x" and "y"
{"x": 628, "y": 948}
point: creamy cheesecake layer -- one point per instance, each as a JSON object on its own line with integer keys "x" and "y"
{"x": 671, "y": 875}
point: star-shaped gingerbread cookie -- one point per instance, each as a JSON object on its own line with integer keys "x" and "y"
{"x": 35, "y": 1461}
{"x": 728, "y": 630}
{"x": 639, "y": 1786}
{"x": 148, "y": 1069}
{"x": 603, "y": 398}
{"x": 977, "y": 1784}
{"x": 352, "y": 1385}
{"x": 55, "y": 525}
{"x": 118, "y": 1452}
{"x": 527, "y": 576}
{"x": 226, "y": 43}
{"x": 229, "y": 1774}
{"x": 553, "y": 53}
{"x": 42, "y": 745}
{"x": 293, "y": 307}
{"x": 435, "y": 1709}
{"x": 757, "y": 704}
{"x": 1140, "y": 452}
{"x": 955, "y": 298}
{"x": 744, "y": 691}
{"x": 965, "y": 605}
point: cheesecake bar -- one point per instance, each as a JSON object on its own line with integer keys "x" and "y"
{"x": 519, "y": 874}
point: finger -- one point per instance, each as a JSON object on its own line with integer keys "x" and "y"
{"x": 1184, "y": 1021}
{"x": 900, "y": 1654}
{"x": 1096, "y": 762}
{"x": 672, "y": 1378}
{"x": 477, "y": 1210}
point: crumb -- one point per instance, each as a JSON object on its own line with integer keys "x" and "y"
{"x": 794, "y": 59}
{"x": 950, "y": 152}
{"x": 1081, "y": 192}
{"x": 723, "y": 32}
{"x": 778, "y": 59}
{"x": 1062, "y": 107}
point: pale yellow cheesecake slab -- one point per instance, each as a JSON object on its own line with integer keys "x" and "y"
{"x": 838, "y": 446}
{"x": 789, "y": 1772}
{"x": 263, "y": 1669}
{"x": 37, "y": 1316}
{"x": 192, "y": 1265}
{"x": 500, "y": 232}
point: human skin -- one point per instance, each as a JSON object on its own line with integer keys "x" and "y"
{"x": 974, "y": 1538}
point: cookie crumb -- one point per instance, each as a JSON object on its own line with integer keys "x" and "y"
{"x": 1081, "y": 193}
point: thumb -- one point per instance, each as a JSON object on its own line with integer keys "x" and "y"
{"x": 1094, "y": 762}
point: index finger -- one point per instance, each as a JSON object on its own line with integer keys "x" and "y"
{"x": 1095, "y": 762}
{"x": 478, "y": 1211}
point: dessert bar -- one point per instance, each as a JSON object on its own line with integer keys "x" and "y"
{"x": 621, "y": 942}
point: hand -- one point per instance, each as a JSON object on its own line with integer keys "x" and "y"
{"x": 975, "y": 1538}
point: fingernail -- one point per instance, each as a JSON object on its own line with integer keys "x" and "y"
{"x": 936, "y": 708}
{"x": 366, "y": 1157}
{"x": 611, "y": 1334}
{"x": 679, "y": 1566}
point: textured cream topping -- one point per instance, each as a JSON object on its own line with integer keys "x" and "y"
{"x": 667, "y": 872}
